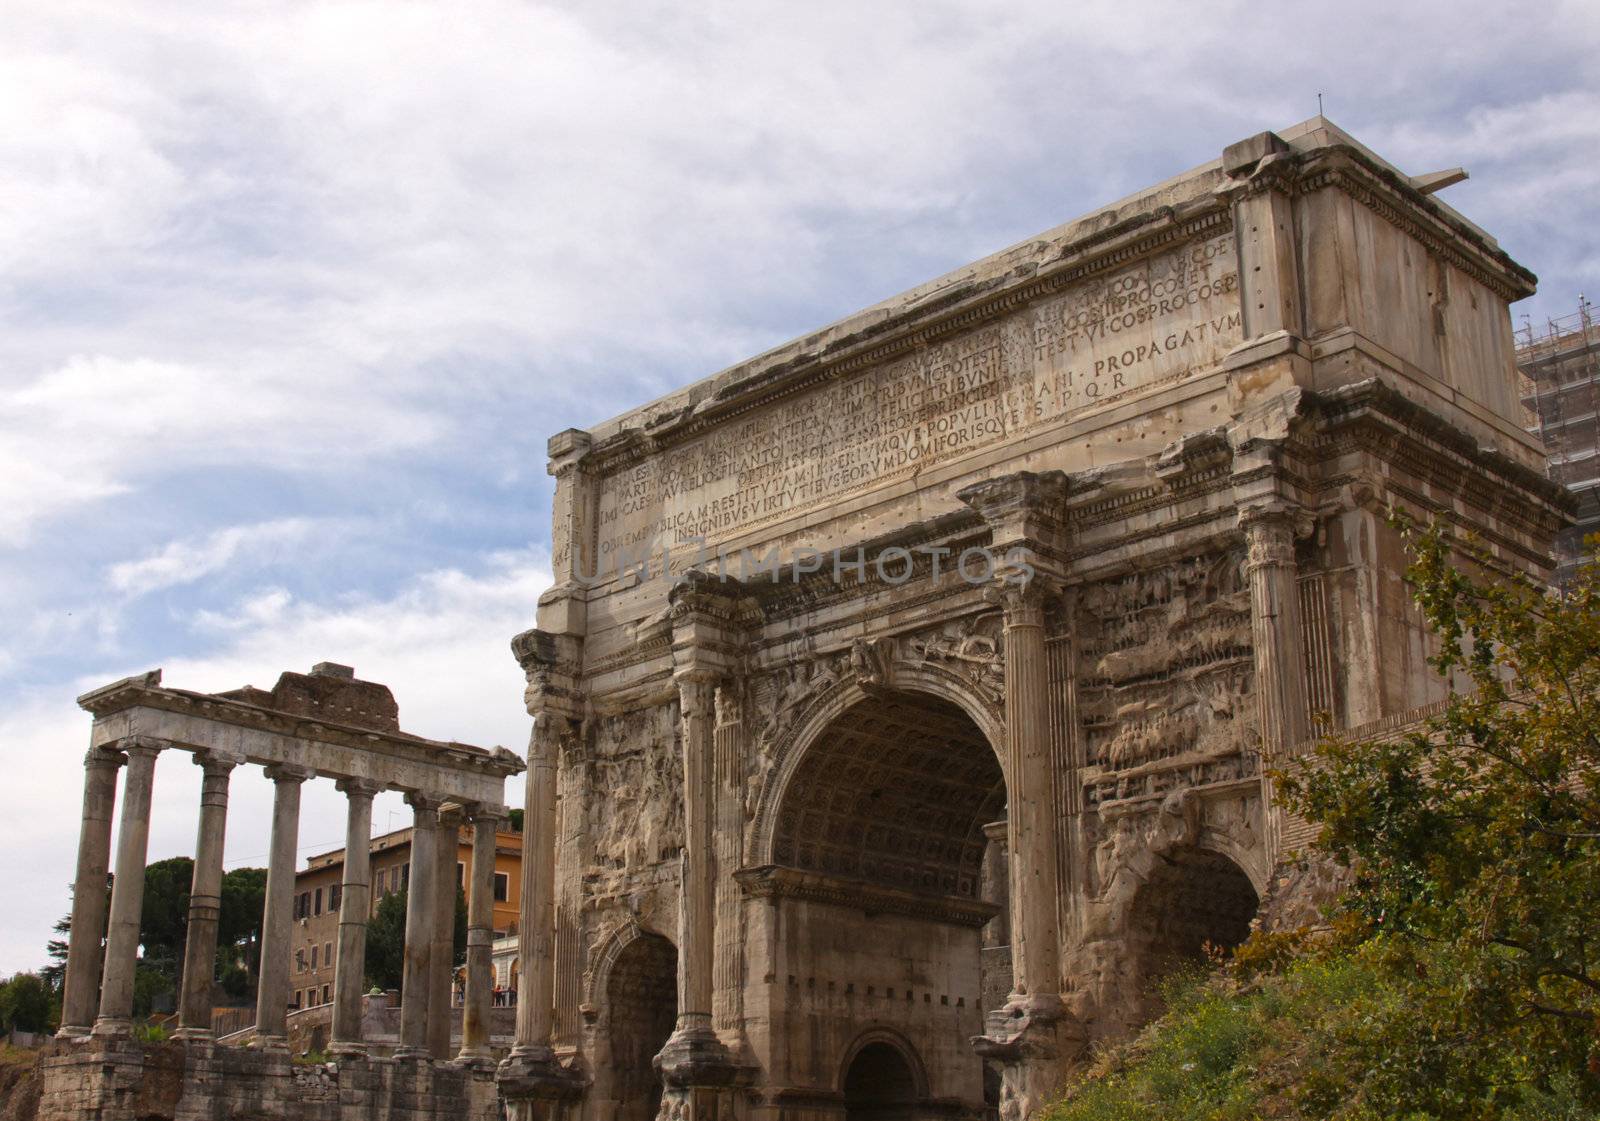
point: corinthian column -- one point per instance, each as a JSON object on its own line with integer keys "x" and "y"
{"x": 422, "y": 897}
{"x": 277, "y": 922}
{"x": 693, "y": 1041}
{"x": 1030, "y": 816}
{"x": 355, "y": 906}
{"x": 475, "y": 1041}
{"x": 728, "y": 779}
{"x": 81, "y": 993}
{"x": 1279, "y": 653}
{"x": 127, "y": 893}
{"x": 536, "y": 946}
{"x": 1031, "y": 1038}
{"x": 205, "y": 899}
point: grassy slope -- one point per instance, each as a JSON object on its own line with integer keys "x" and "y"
{"x": 1231, "y": 1050}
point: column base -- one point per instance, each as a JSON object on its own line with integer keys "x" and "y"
{"x": 348, "y": 1049}
{"x": 195, "y": 1035}
{"x": 412, "y": 1054}
{"x": 533, "y": 1072}
{"x": 272, "y": 1044}
{"x": 75, "y": 1031}
{"x": 475, "y": 1056}
{"x": 694, "y": 1056}
{"x": 1035, "y": 1042}
{"x": 109, "y": 1027}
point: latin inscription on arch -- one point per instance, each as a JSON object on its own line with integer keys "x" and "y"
{"x": 1151, "y": 323}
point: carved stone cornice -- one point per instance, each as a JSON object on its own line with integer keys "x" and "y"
{"x": 1025, "y": 510}
{"x": 771, "y": 881}
{"x": 551, "y": 664}
{"x": 712, "y": 620}
{"x": 567, "y": 450}
{"x": 1265, "y": 163}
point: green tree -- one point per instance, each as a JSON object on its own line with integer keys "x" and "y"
{"x": 386, "y": 939}
{"x": 25, "y": 1003}
{"x": 1475, "y": 851}
{"x": 55, "y": 973}
{"x": 244, "y": 897}
{"x": 164, "y": 918}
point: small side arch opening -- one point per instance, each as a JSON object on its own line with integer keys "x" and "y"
{"x": 880, "y": 1084}
{"x": 641, "y": 1007}
{"x": 1196, "y": 901}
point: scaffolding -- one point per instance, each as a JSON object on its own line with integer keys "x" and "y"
{"x": 1560, "y": 368}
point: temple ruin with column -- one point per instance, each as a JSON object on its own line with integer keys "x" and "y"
{"x": 903, "y": 706}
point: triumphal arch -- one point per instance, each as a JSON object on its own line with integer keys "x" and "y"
{"x": 902, "y": 700}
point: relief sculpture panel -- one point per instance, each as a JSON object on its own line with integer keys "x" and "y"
{"x": 637, "y": 760}
{"x": 1165, "y": 672}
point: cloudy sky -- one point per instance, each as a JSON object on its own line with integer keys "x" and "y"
{"x": 293, "y": 293}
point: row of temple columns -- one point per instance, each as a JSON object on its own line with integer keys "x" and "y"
{"x": 99, "y": 990}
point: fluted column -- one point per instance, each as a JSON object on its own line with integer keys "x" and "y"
{"x": 127, "y": 893}
{"x": 422, "y": 898}
{"x": 1279, "y": 649}
{"x": 81, "y": 993}
{"x": 728, "y": 778}
{"x": 205, "y": 898}
{"x": 277, "y": 923}
{"x": 1031, "y": 828}
{"x": 355, "y": 906}
{"x": 536, "y": 940}
{"x": 442, "y": 952}
{"x": 693, "y": 1053}
{"x": 475, "y": 1043}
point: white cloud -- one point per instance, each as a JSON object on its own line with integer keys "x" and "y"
{"x": 242, "y": 235}
{"x": 440, "y": 644}
{"x": 183, "y": 562}
{"x": 97, "y": 426}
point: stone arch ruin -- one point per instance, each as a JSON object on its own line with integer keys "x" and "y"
{"x": 932, "y": 660}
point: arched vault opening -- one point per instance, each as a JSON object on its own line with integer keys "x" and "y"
{"x": 876, "y": 878}
{"x": 896, "y": 792}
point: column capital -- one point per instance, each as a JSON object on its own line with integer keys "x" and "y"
{"x": 1022, "y": 595}
{"x": 282, "y": 773}
{"x": 216, "y": 763}
{"x": 104, "y": 757}
{"x": 147, "y": 747}
{"x": 1271, "y": 529}
{"x": 729, "y": 703}
{"x": 480, "y": 813}
{"x": 423, "y": 802}
{"x": 696, "y": 691}
{"x": 359, "y": 787}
